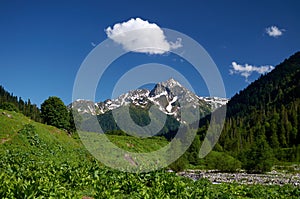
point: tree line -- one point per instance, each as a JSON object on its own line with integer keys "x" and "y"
{"x": 12, "y": 103}
{"x": 262, "y": 125}
{"x": 53, "y": 111}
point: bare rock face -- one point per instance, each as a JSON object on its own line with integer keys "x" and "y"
{"x": 170, "y": 97}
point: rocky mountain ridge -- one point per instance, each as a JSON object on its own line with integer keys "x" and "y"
{"x": 169, "y": 96}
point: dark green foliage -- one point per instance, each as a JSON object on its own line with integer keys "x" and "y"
{"x": 180, "y": 164}
{"x": 175, "y": 152}
{"x": 291, "y": 154}
{"x": 170, "y": 129}
{"x": 74, "y": 119}
{"x": 259, "y": 158}
{"x": 268, "y": 108}
{"x": 9, "y": 106}
{"x": 222, "y": 162}
{"x": 107, "y": 122}
{"x": 270, "y": 105}
{"x": 116, "y": 132}
{"x": 193, "y": 151}
{"x": 12, "y": 103}
{"x": 55, "y": 113}
{"x": 138, "y": 115}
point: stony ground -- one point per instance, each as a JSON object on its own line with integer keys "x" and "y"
{"x": 270, "y": 178}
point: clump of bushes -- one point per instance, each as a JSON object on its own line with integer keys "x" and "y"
{"x": 222, "y": 162}
{"x": 9, "y": 106}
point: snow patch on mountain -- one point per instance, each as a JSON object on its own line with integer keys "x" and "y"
{"x": 169, "y": 96}
{"x": 215, "y": 102}
{"x": 169, "y": 107}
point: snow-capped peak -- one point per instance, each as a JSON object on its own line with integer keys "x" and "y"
{"x": 169, "y": 96}
{"x": 170, "y": 83}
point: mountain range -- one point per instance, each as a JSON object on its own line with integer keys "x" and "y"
{"x": 261, "y": 127}
{"x": 165, "y": 95}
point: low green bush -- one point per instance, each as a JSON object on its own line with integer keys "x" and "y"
{"x": 222, "y": 162}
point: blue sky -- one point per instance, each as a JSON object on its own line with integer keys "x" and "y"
{"x": 43, "y": 43}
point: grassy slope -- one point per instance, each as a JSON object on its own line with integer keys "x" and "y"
{"x": 45, "y": 162}
{"x": 48, "y": 140}
{"x": 134, "y": 144}
{"x": 12, "y": 123}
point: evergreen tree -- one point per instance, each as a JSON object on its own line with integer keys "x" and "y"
{"x": 269, "y": 108}
{"x": 259, "y": 158}
{"x": 180, "y": 163}
{"x": 17, "y": 104}
{"x": 193, "y": 151}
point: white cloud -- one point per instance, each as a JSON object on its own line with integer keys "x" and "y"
{"x": 274, "y": 31}
{"x": 138, "y": 35}
{"x": 247, "y": 70}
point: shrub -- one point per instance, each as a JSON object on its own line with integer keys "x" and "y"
{"x": 222, "y": 162}
{"x": 180, "y": 164}
{"x": 259, "y": 158}
{"x": 9, "y": 106}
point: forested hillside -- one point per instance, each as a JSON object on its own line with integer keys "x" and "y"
{"x": 10, "y": 102}
{"x": 267, "y": 113}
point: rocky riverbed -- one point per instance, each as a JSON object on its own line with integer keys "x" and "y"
{"x": 271, "y": 178}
